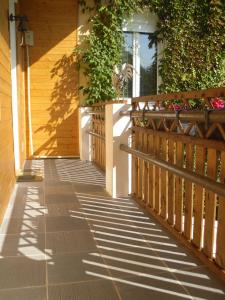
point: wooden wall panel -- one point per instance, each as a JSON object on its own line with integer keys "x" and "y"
{"x": 54, "y": 95}
{"x": 7, "y": 174}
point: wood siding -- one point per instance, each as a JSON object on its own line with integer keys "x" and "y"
{"x": 7, "y": 174}
{"x": 54, "y": 96}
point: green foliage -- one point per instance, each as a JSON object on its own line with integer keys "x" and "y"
{"x": 103, "y": 47}
{"x": 192, "y": 32}
{"x": 194, "y": 36}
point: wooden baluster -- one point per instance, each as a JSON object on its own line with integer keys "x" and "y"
{"x": 210, "y": 206}
{"x": 97, "y": 141}
{"x": 104, "y": 152}
{"x": 140, "y": 168}
{"x": 146, "y": 171}
{"x": 188, "y": 204}
{"x": 171, "y": 185}
{"x": 134, "y": 164}
{"x": 199, "y": 199}
{"x": 157, "y": 175}
{"x": 164, "y": 181}
{"x": 100, "y": 142}
{"x": 179, "y": 189}
{"x": 151, "y": 189}
{"x": 220, "y": 245}
{"x": 93, "y": 139}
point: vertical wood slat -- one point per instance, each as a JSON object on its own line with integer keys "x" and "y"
{"x": 146, "y": 171}
{"x": 188, "y": 207}
{"x": 198, "y": 208}
{"x": 171, "y": 184}
{"x": 142, "y": 168}
{"x": 157, "y": 175}
{"x": 179, "y": 189}
{"x": 210, "y": 206}
{"x": 93, "y": 139}
{"x": 134, "y": 165}
{"x": 220, "y": 245}
{"x": 98, "y": 144}
{"x": 104, "y": 151}
{"x": 164, "y": 182}
{"x": 151, "y": 189}
{"x": 140, "y": 161}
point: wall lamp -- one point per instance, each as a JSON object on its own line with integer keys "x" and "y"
{"x": 22, "y": 21}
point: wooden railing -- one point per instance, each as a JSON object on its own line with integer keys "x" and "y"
{"x": 178, "y": 169}
{"x": 97, "y": 133}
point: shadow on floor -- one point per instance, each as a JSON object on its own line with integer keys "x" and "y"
{"x": 65, "y": 238}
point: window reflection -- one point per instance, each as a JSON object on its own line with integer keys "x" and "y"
{"x": 128, "y": 58}
{"x": 148, "y": 66}
{"x": 146, "y": 74}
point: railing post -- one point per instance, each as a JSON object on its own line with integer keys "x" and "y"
{"x": 118, "y": 163}
{"x": 84, "y": 137}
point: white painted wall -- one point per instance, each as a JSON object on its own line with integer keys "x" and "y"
{"x": 15, "y": 109}
{"x": 84, "y": 137}
{"x": 118, "y": 175}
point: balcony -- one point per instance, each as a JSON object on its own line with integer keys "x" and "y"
{"x": 66, "y": 238}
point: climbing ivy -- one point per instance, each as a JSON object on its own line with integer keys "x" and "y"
{"x": 192, "y": 33}
{"x": 194, "y": 49}
{"x": 103, "y": 46}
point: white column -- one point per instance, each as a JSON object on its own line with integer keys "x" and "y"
{"x": 84, "y": 137}
{"x": 118, "y": 172}
{"x": 15, "y": 109}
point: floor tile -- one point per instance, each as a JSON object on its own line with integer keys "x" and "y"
{"x": 60, "y": 198}
{"x": 68, "y": 225}
{"x": 65, "y": 223}
{"x": 89, "y": 188}
{"x": 24, "y": 294}
{"x": 23, "y": 226}
{"x": 200, "y": 283}
{"x": 22, "y": 245}
{"x": 121, "y": 263}
{"x": 57, "y": 188}
{"x": 161, "y": 288}
{"x": 74, "y": 267}
{"x": 18, "y": 272}
{"x": 70, "y": 241}
{"x": 92, "y": 290}
{"x": 62, "y": 209}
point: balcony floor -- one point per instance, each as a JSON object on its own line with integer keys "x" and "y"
{"x": 65, "y": 238}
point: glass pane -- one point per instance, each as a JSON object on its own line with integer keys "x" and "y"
{"x": 148, "y": 66}
{"x": 128, "y": 58}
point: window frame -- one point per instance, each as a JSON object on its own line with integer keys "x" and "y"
{"x": 138, "y": 24}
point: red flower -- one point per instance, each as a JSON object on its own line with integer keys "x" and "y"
{"x": 176, "y": 107}
{"x": 217, "y": 103}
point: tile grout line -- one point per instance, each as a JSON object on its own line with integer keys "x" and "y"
{"x": 105, "y": 262}
{"x": 163, "y": 262}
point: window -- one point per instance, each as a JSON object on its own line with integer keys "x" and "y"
{"x": 137, "y": 35}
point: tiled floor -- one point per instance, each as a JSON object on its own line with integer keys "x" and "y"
{"x": 65, "y": 238}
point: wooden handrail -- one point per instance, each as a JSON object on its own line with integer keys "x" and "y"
{"x": 102, "y": 113}
{"x": 207, "y": 93}
{"x": 203, "y": 181}
{"x": 96, "y": 135}
{"x": 211, "y": 115}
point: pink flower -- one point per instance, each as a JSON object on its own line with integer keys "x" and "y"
{"x": 218, "y": 103}
{"x": 176, "y": 107}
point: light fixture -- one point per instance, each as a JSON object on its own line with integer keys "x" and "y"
{"x": 22, "y": 21}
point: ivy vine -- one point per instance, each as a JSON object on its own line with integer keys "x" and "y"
{"x": 192, "y": 32}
